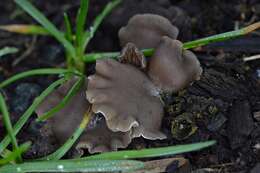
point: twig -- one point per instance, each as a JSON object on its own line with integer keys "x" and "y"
{"x": 28, "y": 51}
{"x": 251, "y": 58}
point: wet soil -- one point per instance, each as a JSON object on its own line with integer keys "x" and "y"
{"x": 223, "y": 105}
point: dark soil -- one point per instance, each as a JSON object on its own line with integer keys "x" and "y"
{"x": 223, "y": 105}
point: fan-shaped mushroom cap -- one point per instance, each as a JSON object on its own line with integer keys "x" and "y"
{"x": 171, "y": 68}
{"x": 97, "y": 137}
{"x": 100, "y": 138}
{"x": 127, "y": 99}
{"x": 146, "y": 30}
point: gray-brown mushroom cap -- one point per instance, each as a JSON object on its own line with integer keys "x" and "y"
{"x": 97, "y": 137}
{"x": 146, "y": 30}
{"x": 171, "y": 68}
{"x": 127, "y": 99}
{"x": 100, "y": 138}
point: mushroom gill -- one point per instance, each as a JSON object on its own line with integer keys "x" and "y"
{"x": 171, "y": 68}
{"x": 146, "y": 30}
{"x": 131, "y": 55}
{"x": 97, "y": 137}
{"x": 127, "y": 98}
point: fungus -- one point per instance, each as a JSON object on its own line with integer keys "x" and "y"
{"x": 97, "y": 137}
{"x": 171, "y": 68}
{"x": 127, "y": 98}
{"x": 146, "y": 30}
{"x": 131, "y": 55}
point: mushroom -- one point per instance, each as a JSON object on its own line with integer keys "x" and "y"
{"x": 127, "y": 98}
{"x": 171, "y": 68}
{"x": 131, "y": 55}
{"x": 97, "y": 137}
{"x": 146, "y": 30}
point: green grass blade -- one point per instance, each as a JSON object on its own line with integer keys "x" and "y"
{"x": 39, "y": 17}
{"x": 11, "y": 157}
{"x": 8, "y": 125}
{"x": 92, "y": 57}
{"x": 23, "y": 119}
{"x": 68, "y": 33}
{"x": 152, "y": 152}
{"x": 25, "y": 29}
{"x": 188, "y": 45}
{"x": 74, "y": 166}
{"x": 69, "y": 143}
{"x": 90, "y": 34}
{"x": 44, "y": 71}
{"x": 74, "y": 89}
{"x": 81, "y": 21}
{"x": 8, "y": 50}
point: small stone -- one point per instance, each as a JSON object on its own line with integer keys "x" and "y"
{"x": 257, "y": 115}
{"x": 216, "y": 122}
{"x": 24, "y": 94}
{"x": 256, "y": 169}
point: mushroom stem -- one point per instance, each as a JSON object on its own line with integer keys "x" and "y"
{"x": 188, "y": 45}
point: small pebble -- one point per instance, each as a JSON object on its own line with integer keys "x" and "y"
{"x": 24, "y": 94}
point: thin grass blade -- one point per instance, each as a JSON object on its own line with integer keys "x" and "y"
{"x": 68, "y": 33}
{"x": 88, "y": 35}
{"x": 153, "y": 152}
{"x": 44, "y": 71}
{"x": 74, "y": 166}
{"x": 188, "y": 45}
{"x": 8, "y": 125}
{"x": 69, "y": 143}
{"x": 8, "y": 50}
{"x": 25, "y": 29}
{"x": 81, "y": 20}
{"x": 74, "y": 89}
{"x": 23, "y": 119}
{"x": 39, "y": 17}
{"x": 11, "y": 157}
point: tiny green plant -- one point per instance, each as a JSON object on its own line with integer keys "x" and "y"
{"x": 7, "y": 50}
{"x": 75, "y": 44}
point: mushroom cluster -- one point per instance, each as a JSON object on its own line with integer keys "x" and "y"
{"x": 125, "y": 94}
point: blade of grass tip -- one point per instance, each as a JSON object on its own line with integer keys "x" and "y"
{"x": 25, "y": 29}
{"x": 10, "y": 157}
{"x": 222, "y": 37}
{"x": 39, "y": 17}
{"x": 23, "y": 119}
{"x": 8, "y": 50}
{"x": 88, "y": 35}
{"x": 8, "y": 125}
{"x": 188, "y": 45}
{"x": 69, "y": 143}
{"x": 74, "y": 89}
{"x": 81, "y": 21}
{"x": 152, "y": 152}
{"x": 68, "y": 33}
{"x": 43, "y": 71}
{"x": 69, "y": 37}
{"x": 75, "y": 166}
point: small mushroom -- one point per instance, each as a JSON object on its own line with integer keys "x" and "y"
{"x": 146, "y": 30}
{"x": 97, "y": 137}
{"x": 131, "y": 55}
{"x": 100, "y": 138}
{"x": 127, "y": 99}
{"x": 171, "y": 68}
